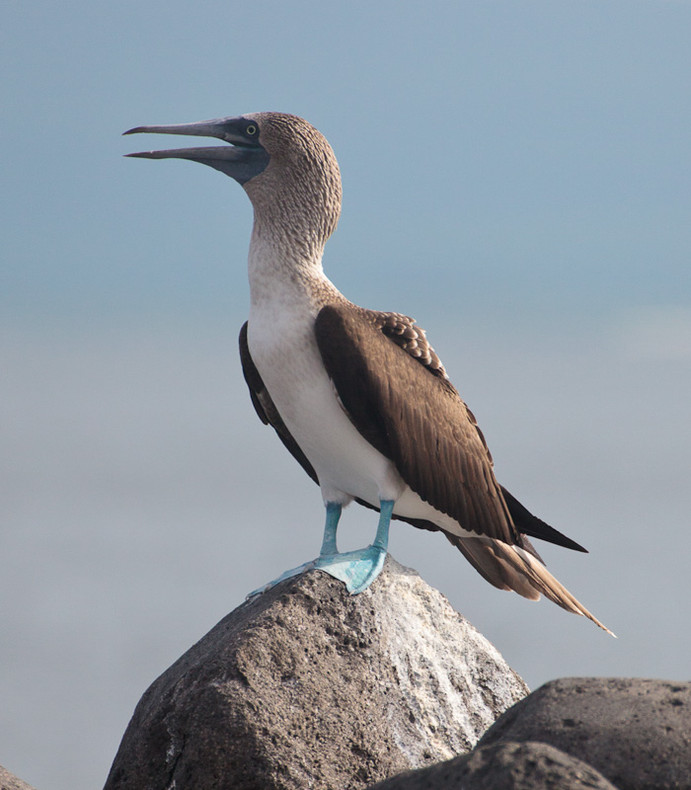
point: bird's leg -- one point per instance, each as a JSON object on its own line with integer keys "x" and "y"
{"x": 358, "y": 569}
{"x": 333, "y": 515}
{"x": 381, "y": 539}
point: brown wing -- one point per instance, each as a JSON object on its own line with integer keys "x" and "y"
{"x": 265, "y": 408}
{"x": 399, "y": 398}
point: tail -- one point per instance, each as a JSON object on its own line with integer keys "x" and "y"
{"x": 515, "y": 568}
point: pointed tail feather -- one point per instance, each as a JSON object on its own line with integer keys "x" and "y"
{"x": 513, "y": 568}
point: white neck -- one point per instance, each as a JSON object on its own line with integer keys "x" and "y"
{"x": 281, "y": 276}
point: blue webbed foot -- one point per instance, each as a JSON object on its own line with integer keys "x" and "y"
{"x": 356, "y": 569}
{"x": 307, "y": 566}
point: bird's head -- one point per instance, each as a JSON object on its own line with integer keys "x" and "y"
{"x": 285, "y": 165}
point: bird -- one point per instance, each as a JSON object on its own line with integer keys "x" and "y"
{"x": 358, "y": 396}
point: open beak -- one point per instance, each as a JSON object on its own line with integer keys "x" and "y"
{"x": 242, "y": 159}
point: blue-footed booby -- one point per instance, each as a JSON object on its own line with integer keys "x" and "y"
{"x": 358, "y": 396}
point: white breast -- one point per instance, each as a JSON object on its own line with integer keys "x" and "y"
{"x": 284, "y": 349}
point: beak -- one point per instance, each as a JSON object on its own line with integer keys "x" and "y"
{"x": 242, "y": 160}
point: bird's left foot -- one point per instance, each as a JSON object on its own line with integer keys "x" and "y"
{"x": 356, "y": 569}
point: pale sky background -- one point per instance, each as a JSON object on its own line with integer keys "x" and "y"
{"x": 516, "y": 176}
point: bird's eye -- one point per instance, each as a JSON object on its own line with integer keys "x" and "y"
{"x": 251, "y": 129}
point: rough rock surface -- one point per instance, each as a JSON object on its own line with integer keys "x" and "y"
{"x": 636, "y": 732}
{"x": 9, "y": 781}
{"x": 506, "y": 765}
{"x": 307, "y": 686}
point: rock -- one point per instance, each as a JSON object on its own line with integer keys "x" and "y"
{"x": 307, "y": 686}
{"x": 506, "y": 765}
{"x": 634, "y": 731}
{"x": 9, "y": 781}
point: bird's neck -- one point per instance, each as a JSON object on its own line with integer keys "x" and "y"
{"x": 285, "y": 270}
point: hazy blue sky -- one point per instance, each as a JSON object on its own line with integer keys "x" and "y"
{"x": 516, "y": 176}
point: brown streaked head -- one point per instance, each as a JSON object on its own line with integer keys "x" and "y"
{"x": 285, "y": 165}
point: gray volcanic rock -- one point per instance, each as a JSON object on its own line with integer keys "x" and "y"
{"x": 636, "y": 732}
{"x": 9, "y": 781}
{"x": 506, "y": 765}
{"x": 307, "y": 686}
